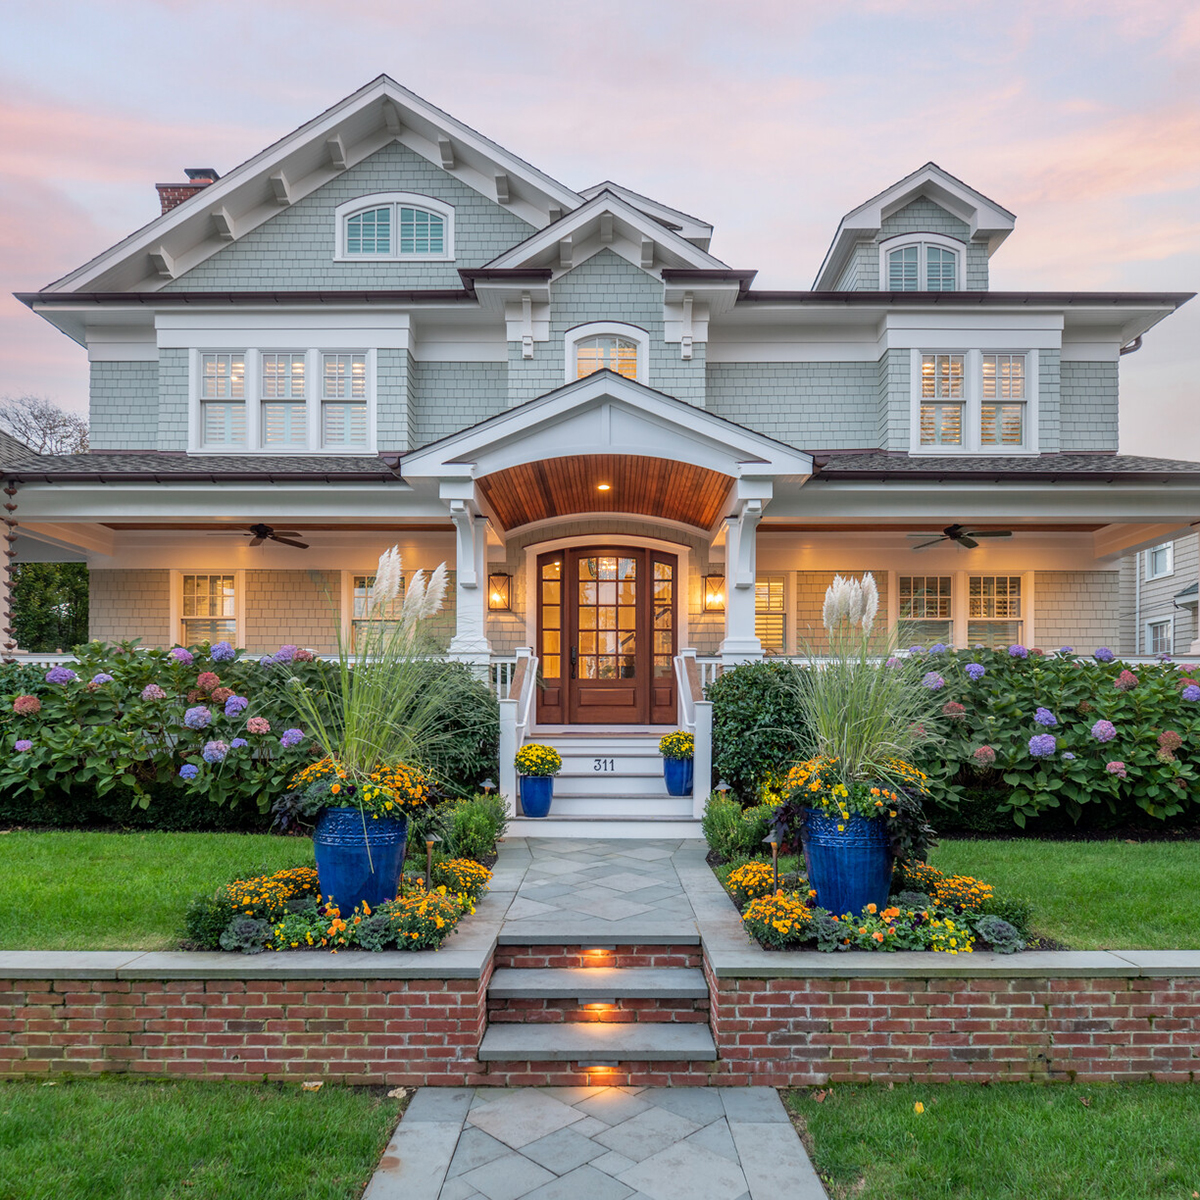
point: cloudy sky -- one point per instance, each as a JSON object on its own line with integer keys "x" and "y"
{"x": 769, "y": 119}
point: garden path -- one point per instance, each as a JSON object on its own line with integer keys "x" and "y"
{"x": 602, "y": 1143}
{"x": 568, "y": 890}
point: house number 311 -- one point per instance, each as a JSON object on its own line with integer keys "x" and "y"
{"x": 604, "y": 764}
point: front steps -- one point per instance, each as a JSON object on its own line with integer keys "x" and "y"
{"x": 598, "y": 1016}
{"x": 611, "y": 786}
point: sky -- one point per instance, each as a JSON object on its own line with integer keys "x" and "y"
{"x": 769, "y": 119}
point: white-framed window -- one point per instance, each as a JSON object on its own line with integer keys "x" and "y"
{"x": 974, "y": 401}
{"x": 994, "y": 615}
{"x": 601, "y": 344}
{"x": 770, "y": 613}
{"x": 208, "y": 609}
{"x": 285, "y": 401}
{"x": 921, "y": 262}
{"x": 926, "y": 609}
{"x": 394, "y": 227}
{"x": 1160, "y": 636}
{"x": 1160, "y": 561}
{"x": 361, "y": 601}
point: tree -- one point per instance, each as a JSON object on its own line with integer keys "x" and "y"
{"x": 49, "y": 606}
{"x": 43, "y": 426}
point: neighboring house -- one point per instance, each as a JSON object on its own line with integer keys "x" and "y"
{"x": 1158, "y": 598}
{"x": 386, "y": 328}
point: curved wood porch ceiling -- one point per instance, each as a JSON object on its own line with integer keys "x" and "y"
{"x": 651, "y": 487}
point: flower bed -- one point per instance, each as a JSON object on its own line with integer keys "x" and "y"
{"x": 284, "y": 911}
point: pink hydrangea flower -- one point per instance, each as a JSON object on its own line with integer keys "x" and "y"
{"x": 221, "y": 694}
{"x": 953, "y": 710}
{"x": 985, "y": 756}
{"x": 27, "y": 705}
{"x": 1126, "y": 681}
{"x": 258, "y": 725}
{"x": 1169, "y": 740}
{"x": 1117, "y": 769}
{"x": 153, "y": 692}
{"x": 208, "y": 680}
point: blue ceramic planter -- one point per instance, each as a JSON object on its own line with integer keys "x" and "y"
{"x": 536, "y": 793}
{"x": 851, "y": 868}
{"x": 678, "y": 774}
{"x": 346, "y": 874}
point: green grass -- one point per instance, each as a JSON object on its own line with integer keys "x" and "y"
{"x": 133, "y": 1140}
{"x": 1005, "y": 1142}
{"x": 1093, "y": 895}
{"x": 121, "y": 891}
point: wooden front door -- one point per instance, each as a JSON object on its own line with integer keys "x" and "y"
{"x": 607, "y": 629}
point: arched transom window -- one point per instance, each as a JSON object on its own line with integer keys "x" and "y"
{"x": 397, "y": 226}
{"x": 922, "y": 265}
{"x": 606, "y": 350}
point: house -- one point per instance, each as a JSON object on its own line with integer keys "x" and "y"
{"x": 387, "y": 329}
{"x": 1158, "y": 598}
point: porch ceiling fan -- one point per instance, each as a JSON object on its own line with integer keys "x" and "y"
{"x": 265, "y": 533}
{"x": 960, "y": 534}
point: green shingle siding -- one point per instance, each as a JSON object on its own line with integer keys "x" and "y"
{"x": 172, "y": 399}
{"x": 124, "y": 405}
{"x": 1049, "y": 409}
{"x": 451, "y": 396}
{"x": 392, "y": 400}
{"x": 1089, "y": 417}
{"x": 295, "y": 248}
{"x": 923, "y": 216}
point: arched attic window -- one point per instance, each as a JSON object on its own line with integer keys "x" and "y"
{"x": 597, "y": 346}
{"x": 395, "y": 226}
{"x": 921, "y": 262}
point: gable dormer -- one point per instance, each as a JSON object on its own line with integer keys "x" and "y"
{"x": 928, "y": 232}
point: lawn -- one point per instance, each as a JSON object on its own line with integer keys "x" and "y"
{"x": 1005, "y": 1141}
{"x": 121, "y": 891}
{"x": 1092, "y": 895}
{"x": 134, "y": 1140}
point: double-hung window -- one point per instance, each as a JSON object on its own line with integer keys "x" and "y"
{"x": 363, "y": 608}
{"x": 1160, "y": 637}
{"x": 223, "y": 399}
{"x": 1002, "y": 400}
{"x": 770, "y": 613}
{"x": 942, "y": 399}
{"x": 284, "y": 411}
{"x": 209, "y": 609}
{"x": 994, "y": 610}
{"x": 343, "y": 400}
{"x": 1160, "y": 561}
{"x": 974, "y": 401}
{"x": 926, "y": 609}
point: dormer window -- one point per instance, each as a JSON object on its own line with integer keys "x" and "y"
{"x": 612, "y": 346}
{"x": 395, "y": 227}
{"x": 921, "y": 263}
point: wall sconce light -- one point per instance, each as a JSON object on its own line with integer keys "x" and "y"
{"x": 500, "y": 592}
{"x": 714, "y": 593}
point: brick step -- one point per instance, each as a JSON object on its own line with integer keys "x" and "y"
{"x": 518, "y": 953}
{"x": 598, "y": 984}
{"x": 598, "y": 1042}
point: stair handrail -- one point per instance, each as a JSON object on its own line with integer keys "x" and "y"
{"x": 695, "y": 715}
{"x": 515, "y": 713}
{"x": 688, "y": 688}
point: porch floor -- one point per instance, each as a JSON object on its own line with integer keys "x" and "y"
{"x": 579, "y": 891}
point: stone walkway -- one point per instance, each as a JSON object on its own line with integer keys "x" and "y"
{"x": 595, "y": 1143}
{"x": 570, "y": 889}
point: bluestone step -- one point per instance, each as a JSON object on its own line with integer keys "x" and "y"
{"x": 598, "y": 1042}
{"x": 599, "y": 983}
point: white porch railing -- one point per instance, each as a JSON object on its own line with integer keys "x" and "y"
{"x": 695, "y": 715}
{"x": 515, "y": 713}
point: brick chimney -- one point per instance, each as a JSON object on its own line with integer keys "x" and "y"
{"x": 171, "y": 194}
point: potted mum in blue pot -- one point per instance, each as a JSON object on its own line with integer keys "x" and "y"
{"x": 537, "y": 765}
{"x": 678, "y": 750}
{"x": 854, "y": 804}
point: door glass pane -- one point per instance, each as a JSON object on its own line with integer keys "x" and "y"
{"x": 607, "y": 604}
{"x": 551, "y": 584}
{"x": 664, "y": 620}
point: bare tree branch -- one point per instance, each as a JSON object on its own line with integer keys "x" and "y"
{"x": 43, "y": 426}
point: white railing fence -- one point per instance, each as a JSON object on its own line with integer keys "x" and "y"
{"x": 695, "y": 715}
{"x": 516, "y": 710}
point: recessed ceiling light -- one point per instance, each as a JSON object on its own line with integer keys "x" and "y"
{"x": 604, "y": 487}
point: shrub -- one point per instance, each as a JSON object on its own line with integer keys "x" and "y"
{"x": 474, "y": 825}
{"x": 264, "y": 898}
{"x": 1017, "y": 911}
{"x": 999, "y": 935}
{"x": 731, "y": 830}
{"x": 758, "y": 730}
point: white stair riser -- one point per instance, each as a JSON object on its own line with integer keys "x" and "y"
{"x": 599, "y": 827}
{"x": 612, "y": 763}
{"x": 622, "y": 806}
{"x": 609, "y": 785}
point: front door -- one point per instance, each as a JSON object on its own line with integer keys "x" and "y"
{"x": 607, "y": 636}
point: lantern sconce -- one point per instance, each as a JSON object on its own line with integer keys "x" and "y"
{"x": 500, "y": 592}
{"x": 714, "y": 593}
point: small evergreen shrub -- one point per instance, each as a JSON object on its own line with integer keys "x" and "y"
{"x": 474, "y": 825}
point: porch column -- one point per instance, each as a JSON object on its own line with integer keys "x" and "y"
{"x": 470, "y": 643}
{"x": 741, "y": 644}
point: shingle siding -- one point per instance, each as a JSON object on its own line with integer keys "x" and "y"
{"x": 1077, "y": 608}
{"x": 392, "y": 400}
{"x": 895, "y": 400}
{"x": 1089, "y": 417}
{"x": 300, "y": 608}
{"x": 922, "y": 215}
{"x": 1049, "y": 401}
{"x": 124, "y": 406}
{"x": 128, "y": 604}
{"x": 451, "y": 396}
{"x": 172, "y": 400}
{"x": 295, "y": 248}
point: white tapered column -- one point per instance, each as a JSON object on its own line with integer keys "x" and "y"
{"x": 470, "y": 642}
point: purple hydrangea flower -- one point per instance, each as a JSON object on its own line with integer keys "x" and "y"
{"x": 1191, "y": 692}
{"x": 938, "y": 648}
{"x": 284, "y": 654}
{"x": 976, "y": 671}
{"x": 1066, "y": 649}
{"x": 236, "y": 705}
{"x": 189, "y": 771}
{"x": 102, "y": 678}
{"x": 180, "y": 655}
{"x": 1067, "y": 756}
{"x": 222, "y": 652}
{"x": 933, "y": 681}
{"x": 1104, "y": 654}
{"x": 1042, "y": 745}
{"x": 153, "y": 692}
{"x": 215, "y": 751}
{"x": 198, "y": 717}
{"x": 1104, "y": 731}
{"x": 291, "y": 737}
{"x": 238, "y": 743}
{"x": 894, "y": 662}
{"x": 916, "y": 649}
{"x": 22, "y": 745}
{"x": 61, "y": 675}
{"x": 1044, "y": 716}
{"x": 1017, "y": 652}
{"x": 1164, "y": 657}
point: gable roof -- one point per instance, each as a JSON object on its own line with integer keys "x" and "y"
{"x": 14, "y": 452}
{"x": 987, "y": 221}
{"x": 698, "y": 232}
{"x": 295, "y": 166}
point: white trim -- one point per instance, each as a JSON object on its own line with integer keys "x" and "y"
{"x": 631, "y": 333}
{"x": 1147, "y": 641}
{"x": 1169, "y": 547}
{"x": 430, "y": 204}
{"x": 921, "y": 240}
{"x": 960, "y": 598}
